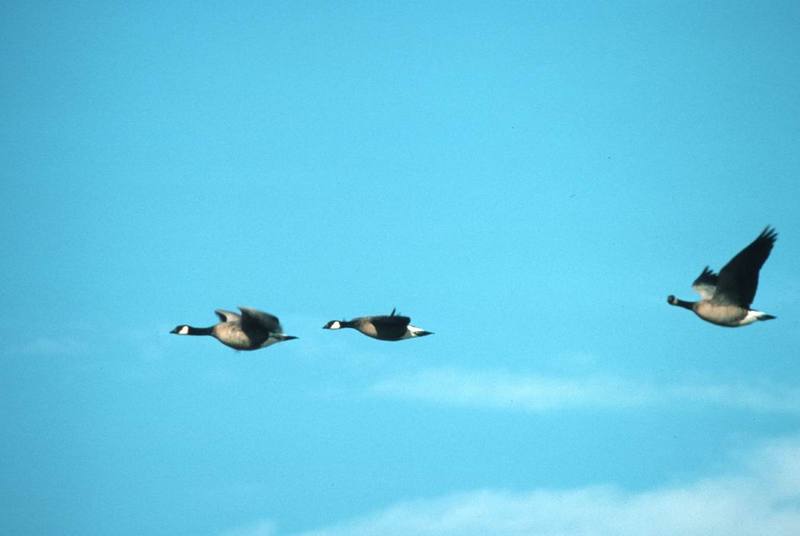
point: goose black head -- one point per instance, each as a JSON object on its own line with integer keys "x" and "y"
{"x": 672, "y": 300}
{"x": 333, "y": 324}
{"x": 183, "y": 329}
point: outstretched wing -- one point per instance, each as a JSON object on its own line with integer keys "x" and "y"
{"x": 227, "y": 316}
{"x": 253, "y": 319}
{"x": 706, "y": 283}
{"x": 738, "y": 280}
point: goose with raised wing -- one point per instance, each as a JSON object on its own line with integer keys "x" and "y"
{"x": 726, "y": 297}
{"x": 391, "y": 327}
{"x": 251, "y": 330}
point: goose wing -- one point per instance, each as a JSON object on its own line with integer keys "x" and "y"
{"x": 706, "y": 283}
{"x": 392, "y": 325}
{"x": 392, "y": 320}
{"x": 738, "y": 280}
{"x": 227, "y": 316}
{"x": 255, "y": 320}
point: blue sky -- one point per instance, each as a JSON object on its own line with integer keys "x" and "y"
{"x": 527, "y": 180}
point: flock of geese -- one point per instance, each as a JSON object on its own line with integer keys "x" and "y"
{"x": 254, "y": 329}
{"x": 725, "y": 301}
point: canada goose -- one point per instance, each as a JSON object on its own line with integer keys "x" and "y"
{"x": 386, "y": 328}
{"x": 251, "y": 330}
{"x": 726, "y": 298}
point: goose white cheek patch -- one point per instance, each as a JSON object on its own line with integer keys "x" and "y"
{"x": 184, "y": 330}
{"x": 335, "y": 325}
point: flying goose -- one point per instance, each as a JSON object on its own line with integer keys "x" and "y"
{"x": 251, "y": 330}
{"x": 386, "y": 328}
{"x": 726, "y": 297}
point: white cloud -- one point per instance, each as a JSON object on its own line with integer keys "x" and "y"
{"x": 763, "y": 497}
{"x": 501, "y": 390}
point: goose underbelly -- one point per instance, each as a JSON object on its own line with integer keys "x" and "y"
{"x": 233, "y": 336}
{"x": 722, "y": 315}
{"x": 368, "y": 328}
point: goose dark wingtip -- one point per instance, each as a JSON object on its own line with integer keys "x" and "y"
{"x": 707, "y": 273}
{"x": 769, "y": 233}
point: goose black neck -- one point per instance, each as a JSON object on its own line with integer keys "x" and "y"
{"x": 199, "y": 331}
{"x": 682, "y": 303}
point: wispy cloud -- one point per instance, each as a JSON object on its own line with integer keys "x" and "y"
{"x": 761, "y": 497}
{"x": 538, "y": 393}
{"x": 260, "y": 528}
{"x": 53, "y": 346}
{"x": 148, "y": 344}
